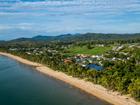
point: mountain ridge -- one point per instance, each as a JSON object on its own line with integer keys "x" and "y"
{"x": 80, "y": 37}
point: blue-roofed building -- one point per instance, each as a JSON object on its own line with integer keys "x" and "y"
{"x": 94, "y": 66}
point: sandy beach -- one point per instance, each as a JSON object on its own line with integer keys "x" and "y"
{"x": 112, "y": 97}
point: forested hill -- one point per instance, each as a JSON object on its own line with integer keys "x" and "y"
{"x": 81, "y": 37}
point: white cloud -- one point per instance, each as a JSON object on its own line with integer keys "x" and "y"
{"x": 22, "y": 26}
{"x": 66, "y": 16}
{"x": 75, "y": 6}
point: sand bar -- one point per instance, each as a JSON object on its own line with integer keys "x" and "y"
{"x": 112, "y": 97}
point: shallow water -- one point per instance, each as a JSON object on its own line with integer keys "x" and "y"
{"x": 22, "y": 85}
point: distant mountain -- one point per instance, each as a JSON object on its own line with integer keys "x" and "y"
{"x": 1, "y": 41}
{"x": 52, "y": 38}
{"x": 43, "y": 38}
{"x": 21, "y": 39}
{"x": 80, "y": 37}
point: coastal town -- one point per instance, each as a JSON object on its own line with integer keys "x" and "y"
{"x": 89, "y": 61}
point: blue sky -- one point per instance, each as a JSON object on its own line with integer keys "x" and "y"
{"x": 27, "y": 18}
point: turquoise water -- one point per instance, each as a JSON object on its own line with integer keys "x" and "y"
{"x": 22, "y": 85}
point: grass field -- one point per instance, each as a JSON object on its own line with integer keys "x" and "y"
{"x": 85, "y": 50}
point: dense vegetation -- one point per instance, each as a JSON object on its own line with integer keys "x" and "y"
{"x": 122, "y": 76}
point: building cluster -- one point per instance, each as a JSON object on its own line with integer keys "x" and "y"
{"x": 118, "y": 53}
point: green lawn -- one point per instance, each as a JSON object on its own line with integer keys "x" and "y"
{"x": 85, "y": 50}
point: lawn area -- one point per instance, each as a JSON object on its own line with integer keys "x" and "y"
{"x": 85, "y": 50}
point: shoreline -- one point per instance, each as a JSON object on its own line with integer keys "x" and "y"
{"x": 90, "y": 88}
